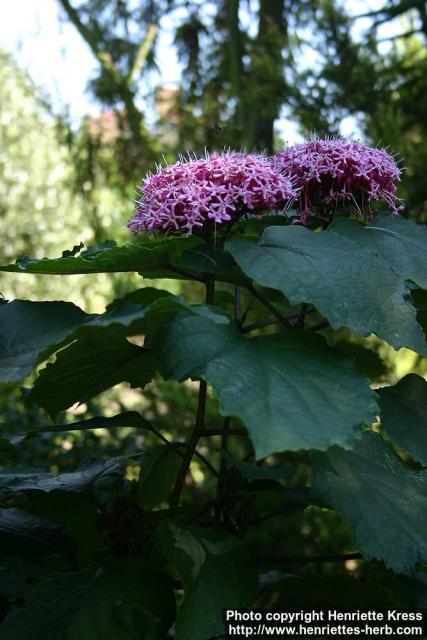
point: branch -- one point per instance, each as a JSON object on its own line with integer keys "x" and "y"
{"x": 201, "y": 457}
{"x": 390, "y": 13}
{"x": 267, "y": 304}
{"x": 186, "y": 274}
{"x": 89, "y": 37}
{"x": 133, "y": 115}
{"x": 408, "y": 34}
{"x": 301, "y": 316}
{"x": 200, "y": 419}
{"x": 222, "y": 468}
{"x": 175, "y": 447}
{"x": 143, "y": 51}
{"x": 267, "y": 323}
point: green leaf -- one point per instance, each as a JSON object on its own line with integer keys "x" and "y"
{"x": 121, "y": 601}
{"x": 206, "y": 258}
{"x": 419, "y": 297}
{"x": 87, "y": 475}
{"x": 80, "y": 520}
{"x": 217, "y": 573}
{"x": 158, "y": 476}
{"x": 357, "y": 276}
{"x": 126, "y": 419}
{"x": 15, "y": 575}
{"x": 404, "y": 415}
{"x": 291, "y": 390}
{"x": 8, "y": 442}
{"x": 31, "y": 331}
{"x": 89, "y": 366}
{"x": 250, "y": 471}
{"x": 346, "y": 591}
{"x": 27, "y": 534}
{"x": 154, "y": 259}
{"x": 383, "y": 500}
{"x": 402, "y": 244}
{"x": 367, "y": 361}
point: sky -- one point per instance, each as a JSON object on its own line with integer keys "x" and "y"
{"x": 58, "y": 60}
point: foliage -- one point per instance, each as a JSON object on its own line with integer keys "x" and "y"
{"x": 114, "y": 537}
{"x": 174, "y": 454}
{"x": 43, "y": 201}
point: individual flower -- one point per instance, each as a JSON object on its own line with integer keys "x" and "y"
{"x": 197, "y": 194}
{"x": 336, "y": 172}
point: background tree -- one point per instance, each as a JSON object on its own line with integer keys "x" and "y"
{"x": 385, "y": 92}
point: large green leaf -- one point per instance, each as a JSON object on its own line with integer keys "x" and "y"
{"x": 404, "y": 415}
{"x": 24, "y": 534}
{"x": 13, "y": 481}
{"x": 153, "y": 259}
{"x": 80, "y": 519}
{"x": 87, "y": 367}
{"x": 357, "y": 276}
{"x": 217, "y": 573}
{"x": 291, "y": 390}
{"x": 121, "y": 601}
{"x": 206, "y": 258}
{"x": 344, "y": 591}
{"x": 126, "y": 419}
{"x": 158, "y": 475}
{"x": 30, "y": 331}
{"x": 383, "y": 500}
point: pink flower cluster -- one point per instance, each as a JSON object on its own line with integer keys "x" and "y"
{"x": 332, "y": 172}
{"x": 215, "y": 189}
{"x": 195, "y": 195}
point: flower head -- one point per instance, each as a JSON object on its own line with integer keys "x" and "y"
{"x": 336, "y": 171}
{"x": 203, "y": 192}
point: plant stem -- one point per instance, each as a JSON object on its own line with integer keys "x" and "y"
{"x": 267, "y": 304}
{"x": 267, "y": 323}
{"x": 301, "y": 316}
{"x": 237, "y": 313}
{"x": 200, "y": 418}
{"x": 201, "y": 458}
{"x": 175, "y": 446}
{"x": 222, "y": 467}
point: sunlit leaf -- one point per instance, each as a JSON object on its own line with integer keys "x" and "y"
{"x": 357, "y": 276}
{"x": 404, "y": 415}
{"x": 290, "y": 390}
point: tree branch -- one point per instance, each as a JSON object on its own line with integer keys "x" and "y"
{"x": 133, "y": 115}
{"x": 143, "y": 51}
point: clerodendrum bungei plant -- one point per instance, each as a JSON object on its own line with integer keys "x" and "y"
{"x": 308, "y": 271}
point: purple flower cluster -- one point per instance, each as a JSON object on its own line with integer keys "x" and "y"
{"x": 195, "y": 195}
{"x": 208, "y": 191}
{"x": 332, "y": 172}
